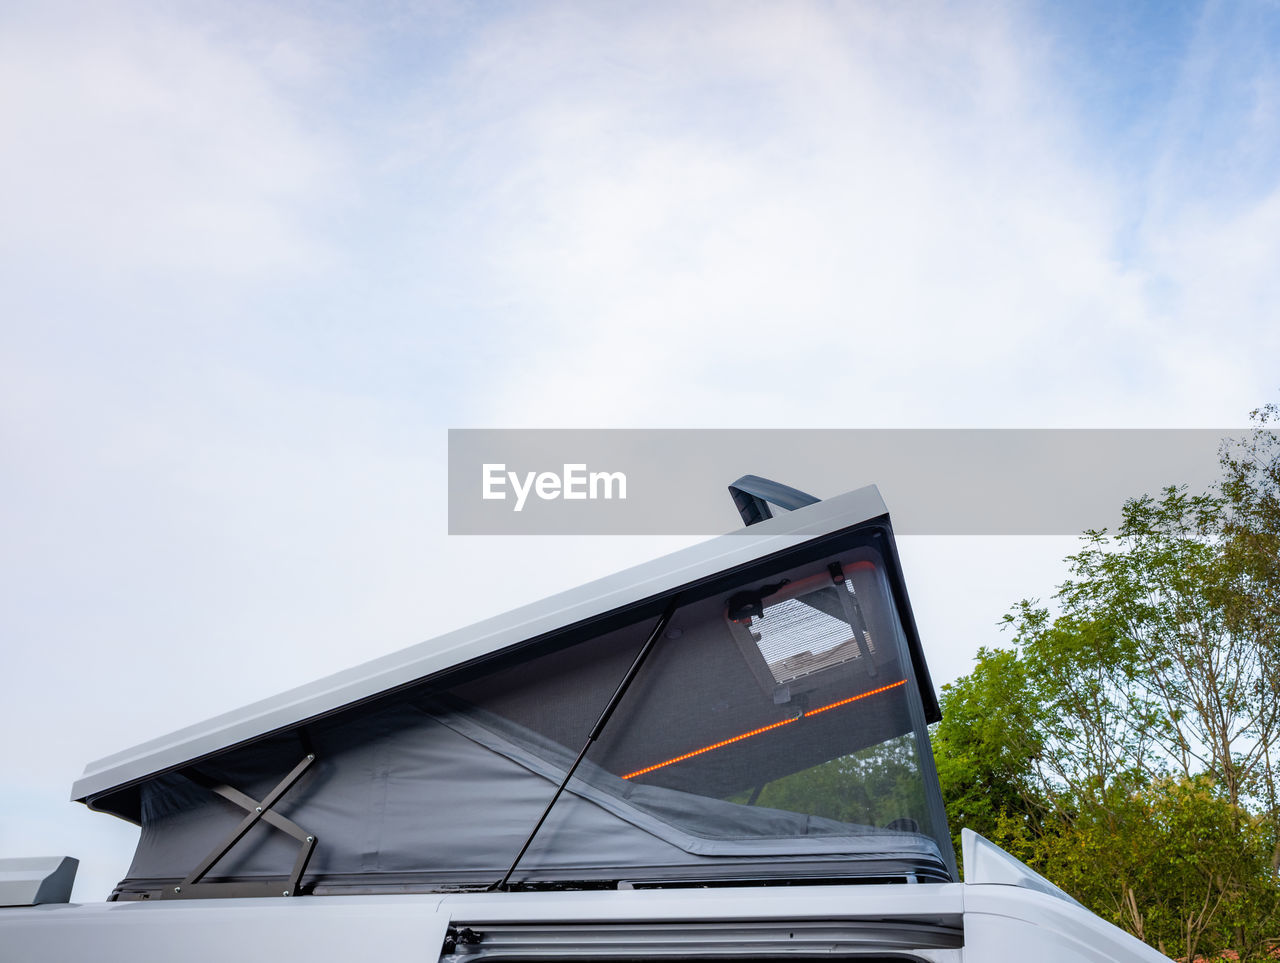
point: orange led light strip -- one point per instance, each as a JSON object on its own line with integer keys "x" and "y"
{"x": 755, "y": 732}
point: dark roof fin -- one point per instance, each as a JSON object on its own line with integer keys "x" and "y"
{"x": 752, "y": 495}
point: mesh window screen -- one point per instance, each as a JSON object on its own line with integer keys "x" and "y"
{"x": 800, "y": 636}
{"x": 773, "y": 680}
{"x": 778, "y": 711}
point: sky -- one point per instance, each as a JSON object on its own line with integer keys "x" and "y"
{"x": 257, "y": 258}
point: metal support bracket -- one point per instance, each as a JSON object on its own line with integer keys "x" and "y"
{"x": 851, "y": 610}
{"x": 255, "y": 810}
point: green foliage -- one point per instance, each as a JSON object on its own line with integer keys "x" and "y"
{"x": 874, "y": 786}
{"x": 1174, "y": 862}
{"x": 987, "y": 744}
{"x": 1126, "y": 745}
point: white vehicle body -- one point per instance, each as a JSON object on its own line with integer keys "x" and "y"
{"x": 984, "y": 922}
{"x": 777, "y": 676}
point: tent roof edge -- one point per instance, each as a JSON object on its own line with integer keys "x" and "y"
{"x": 590, "y": 600}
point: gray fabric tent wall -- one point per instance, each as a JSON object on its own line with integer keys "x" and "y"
{"x": 438, "y": 795}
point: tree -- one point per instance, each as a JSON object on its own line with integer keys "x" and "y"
{"x": 1172, "y": 861}
{"x": 1185, "y": 684}
{"x": 987, "y": 746}
{"x": 1126, "y": 745}
{"x": 1251, "y": 489}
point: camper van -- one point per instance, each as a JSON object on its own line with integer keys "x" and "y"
{"x": 720, "y": 754}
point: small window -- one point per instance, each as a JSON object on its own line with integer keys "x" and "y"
{"x": 800, "y": 636}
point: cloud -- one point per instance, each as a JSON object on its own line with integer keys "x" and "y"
{"x": 777, "y": 196}
{"x": 145, "y": 143}
{"x": 865, "y": 208}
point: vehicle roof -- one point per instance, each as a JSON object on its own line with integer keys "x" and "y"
{"x": 585, "y": 602}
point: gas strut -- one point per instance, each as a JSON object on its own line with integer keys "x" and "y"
{"x": 603, "y": 721}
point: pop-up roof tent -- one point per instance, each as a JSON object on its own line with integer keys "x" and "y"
{"x": 759, "y": 703}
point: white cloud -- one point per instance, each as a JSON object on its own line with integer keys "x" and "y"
{"x": 810, "y": 203}
{"x": 143, "y": 143}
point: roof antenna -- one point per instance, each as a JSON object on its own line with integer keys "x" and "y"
{"x": 752, "y": 495}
